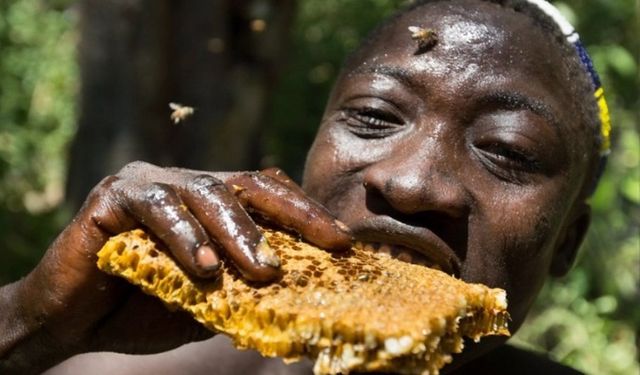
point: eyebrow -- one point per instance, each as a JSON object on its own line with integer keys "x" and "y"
{"x": 507, "y": 100}
{"x": 397, "y": 73}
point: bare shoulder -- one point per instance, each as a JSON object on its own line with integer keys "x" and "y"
{"x": 512, "y": 360}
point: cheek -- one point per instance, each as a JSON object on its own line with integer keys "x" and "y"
{"x": 329, "y": 164}
{"x": 349, "y": 153}
{"x": 333, "y": 171}
{"x": 511, "y": 243}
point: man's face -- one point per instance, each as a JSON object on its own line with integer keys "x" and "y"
{"x": 468, "y": 153}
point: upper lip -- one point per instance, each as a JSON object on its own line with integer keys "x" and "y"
{"x": 385, "y": 229}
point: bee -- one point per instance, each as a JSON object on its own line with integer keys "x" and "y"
{"x": 426, "y": 38}
{"x": 180, "y": 112}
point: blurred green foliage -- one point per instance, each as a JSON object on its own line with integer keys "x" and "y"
{"x": 38, "y": 80}
{"x": 588, "y": 320}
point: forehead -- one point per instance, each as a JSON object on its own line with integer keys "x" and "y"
{"x": 480, "y": 45}
{"x": 476, "y": 26}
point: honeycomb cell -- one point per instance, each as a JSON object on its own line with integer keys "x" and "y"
{"x": 149, "y": 275}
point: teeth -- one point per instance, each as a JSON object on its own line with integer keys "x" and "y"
{"x": 369, "y": 247}
{"x": 398, "y": 252}
{"x": 385, "y": 249}
{"x": 405, "y": 256}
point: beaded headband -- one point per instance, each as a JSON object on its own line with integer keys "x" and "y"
{"x": 573, "y": 38}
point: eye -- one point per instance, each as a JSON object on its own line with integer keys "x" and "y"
{"x": 368, "y": 122}
{"x": 508, "y": 161}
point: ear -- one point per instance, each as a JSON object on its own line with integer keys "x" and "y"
{"x": 570, "y": 240}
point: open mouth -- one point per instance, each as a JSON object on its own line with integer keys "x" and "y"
{"x": 408, "y": 255}
{"x": 410, "y": 243}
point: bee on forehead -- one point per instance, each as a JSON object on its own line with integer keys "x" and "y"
{"x": 180, "y": 112}
{"x": 426, "y": 38}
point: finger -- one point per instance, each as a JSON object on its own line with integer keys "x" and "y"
{"x": 280, "y": 175}
{"x": 230, "y": 226}
{"x": 105, "y": 209}
{"x": 290, "y": 208}
{"x": 158, "y": 207}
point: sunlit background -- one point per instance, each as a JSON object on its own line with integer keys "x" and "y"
{"x": 588, "y": 320}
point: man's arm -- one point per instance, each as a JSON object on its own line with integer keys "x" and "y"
{"x": 23, "y": 347}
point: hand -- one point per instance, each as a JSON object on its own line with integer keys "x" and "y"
{"x": 66, "y": 305}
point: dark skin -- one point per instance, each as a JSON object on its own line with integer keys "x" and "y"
{"x": 470, "y": 153}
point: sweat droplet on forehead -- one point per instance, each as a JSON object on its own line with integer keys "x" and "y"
{"x": 461, "y": 32}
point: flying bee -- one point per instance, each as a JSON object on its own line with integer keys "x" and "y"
{"x": 426, "y": 38}
{"x": 180, "y": 112}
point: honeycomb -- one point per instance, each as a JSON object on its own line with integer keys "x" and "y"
{"x": 353, "y": 311}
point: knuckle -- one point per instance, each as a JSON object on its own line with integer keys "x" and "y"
{"x": 278, "y": 175}
{"x": 157, "y": 192}
{"x": 260, "y": 178}
{"x": 204, "y": 182}
{"x": 105, "y": 204}
{"x": 107, "y": 182}
{"x": 276, "y": 171}
{"x": 247, "y": 177}
{"x": 104, "y": 186}
{"x": 135, "y": 167}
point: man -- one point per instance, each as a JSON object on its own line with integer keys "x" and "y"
{"x": 477, "y": 148}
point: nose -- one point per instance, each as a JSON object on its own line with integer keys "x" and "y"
{"x": 417, "y": 178}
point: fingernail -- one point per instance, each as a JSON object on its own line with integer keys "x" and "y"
{"x": 265, "y": 255}
{"x": 207, "y": 259}
{"x": 342, "y": 226}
